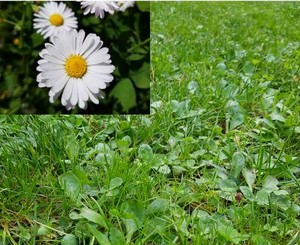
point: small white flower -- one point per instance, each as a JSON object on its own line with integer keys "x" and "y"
{"x": 125, "y": 5}
{"x": 99, "y": 7}
{"x": 75, "y": 66}
{"x": 53, "y": 18}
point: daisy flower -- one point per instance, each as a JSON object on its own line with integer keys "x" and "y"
{"x": 125, "y": 5}
{"x": 53, "y": 18}
{"x": 76, "y": 67}
{"x": 99, "y": 7}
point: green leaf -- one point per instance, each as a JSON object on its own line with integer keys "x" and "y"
{"x": 81, "y": 229}
{"x": 237, "y": 164}
{"x": 10, "y": 80}
{"x": 237, "y": 119}
{"x": 270, "y": 228}
{"x": 270, "y": 58}
{"x": 70, "y": 183}
{"x": 100, "y": 237}
{"x": 131, "y": 227}
{"x": 145, "y": 152}
{"x": 116, "y": 237}
{"x": 141, "y": 77}
{"x": 247, "y": 192}
{"x": 37, "y": 39}
{"x": 269, "y": 123}
{"x": 135, "y": 212}
{"x": 144, "y": 6}
{"x": 72, "y": 147}
{"x": 228, "y": 185}
{"x": 135, "y": 57}
{"x": 297, "y": 130}
{"x": 112, "y": 193}
{"x": 259, "y": 239}
{"x": 81, "y": 176}
{"x": 193, "y": 87}
{"x": 262, "y": 197}
{"x": 177, "y": 170}
{"x": 270, "y": 184}
{"x": 44, "y": 230}
{"x": 24, "y": 233}
{"x": 234, "y": 114}
{"x": 158, "y": 206}
{"x": 127, "y": 139}
{"x": 125, "y": 93}
{"x": 74, "y": 215}
{"x": 230, "y": 234}
{"x": 230, "y": 91}
{"x": 164, "y": 169}
{"x": 69, "y": 239}
{"x": 114, "y": 183}
{"x": 248, "y": 68}
{"x": 94, "y": 217}
{"x": 281, "y": 193}
{"x": 250, "y": 177}
{"x": 277, "y": 117}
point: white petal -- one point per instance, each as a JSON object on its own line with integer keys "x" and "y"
{"x": 74, "y": 96}
{"x": 68, "y": 90}
{"x": 93, "y": 97}
{"x": 79, "y": 41}
{"x": 103, "y": 68}
{"x": 82, "y": 104}
{"x": 53, "y": 96}
{"x": 50, "y": 74}
{"x": 83, "y": 94}
{"x": 53, "y": 59}
{"x": 87, "y": 44}
{"x": 90, "y": 82}
{"x": 96, "y": 59}
{"x": 60, "y": 84}
{"x": 51, "y": 66}
{"x": 95, "y": 80}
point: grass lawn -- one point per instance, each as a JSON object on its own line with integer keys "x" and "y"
{"x": 216, "y": 162}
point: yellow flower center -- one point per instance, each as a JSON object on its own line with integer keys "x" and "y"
{"x": 75, "y": 66}
{"x": 56, "y": 20}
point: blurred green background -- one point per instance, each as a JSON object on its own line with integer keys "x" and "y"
{"x": 126, "y": 34}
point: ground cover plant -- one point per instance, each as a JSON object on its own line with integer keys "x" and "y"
{"x": 216, "y": 162}
{"x": 119, "y": 67}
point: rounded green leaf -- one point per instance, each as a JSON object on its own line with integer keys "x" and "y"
{"x": 93, "y": 216}
{"x": 114, "y": 183}
{"x": 116, "y": 236}
{"x": 158, "y": 206}
{"x": 270, "y": 184}
{"x": 141, "y": 77}
{"x": 144, "y": 6}
{"x": 125, "y": 94}
{"x": 44, "y": 230}
{"x": 72, "y": 147}
{"x": 70, "y": 183}
{"x": 249, "y": 176}
{"x": 100, "y": 237}
{"x": 145, "y": 152}
{"x": 69, "y": 239}
{"x": 237, "y": 164}
{"x": 193, "y": 87}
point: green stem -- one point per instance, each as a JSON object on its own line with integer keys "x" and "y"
{"x": 139, "y": 44}
{"x": 51, "y": 228}
{"x": 9, "y": 22}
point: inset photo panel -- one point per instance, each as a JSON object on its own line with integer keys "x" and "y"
{"x": 74, "y": 57}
